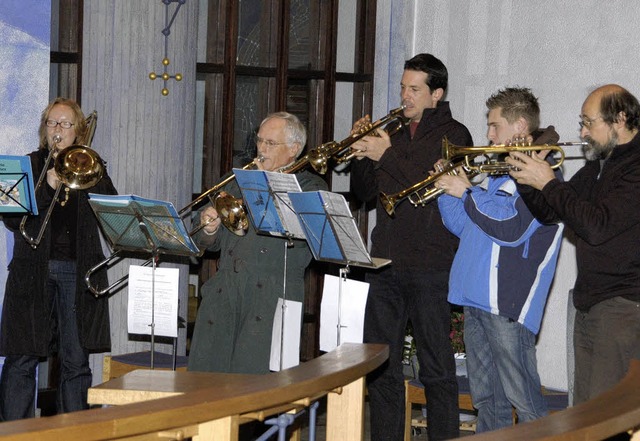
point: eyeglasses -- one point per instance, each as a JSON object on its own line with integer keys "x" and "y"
{"x": 64, "y": 124}
{"x": 587, "y": 122}
{"x": 267, "y": 142}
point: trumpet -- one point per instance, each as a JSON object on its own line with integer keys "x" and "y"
{"x": 341, "y": 151}
{"x": 231, "y": 210}
{"x": 77, "y": 167}
{"x": 464, "y": 158}
{"x": 423, "y": 192}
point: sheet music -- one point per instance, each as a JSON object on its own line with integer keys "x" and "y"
{"x": 281, "y": 184}
{"x": 122, "y": 217}
{"x": 17, "y": 192}
{"x": 291, "y": 312}
{"x": 351, "y": 302}
{"x": 352, "y": 244}
{"x": 330, "y": 229}
{"x": 266, "y": 195}
{"x": 164, "y": 297}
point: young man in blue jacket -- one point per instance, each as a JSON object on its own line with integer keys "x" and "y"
{"x": 501, "y": 272}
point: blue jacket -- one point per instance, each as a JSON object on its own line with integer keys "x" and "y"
{"x": 506, "y": 259}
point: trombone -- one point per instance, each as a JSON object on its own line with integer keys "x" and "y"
{"x": 463, "y": 157}
{"x": 77, "y": 167}
{"x": 231, "y": 209}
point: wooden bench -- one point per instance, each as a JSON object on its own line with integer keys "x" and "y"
{"x": 215, "y": 412}
{"x": 613, "y": 412}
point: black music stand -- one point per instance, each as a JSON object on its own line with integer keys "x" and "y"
{"x": 133, "y": 223}
{"x": 17, "y": 191}
{"x": 333, "y": 235}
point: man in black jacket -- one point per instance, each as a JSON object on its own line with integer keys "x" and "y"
{"x": 414, "y": 287}
{"x": 601, "y": 204}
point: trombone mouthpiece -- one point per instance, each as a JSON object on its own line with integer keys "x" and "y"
{"x": 57, "y": 139}
{"x": 260, "y": 158}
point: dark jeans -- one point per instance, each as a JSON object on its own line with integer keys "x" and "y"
{"x": 18, "y": 382}
{"x": 502, "y": 366}
{"x": 394, "y": 297}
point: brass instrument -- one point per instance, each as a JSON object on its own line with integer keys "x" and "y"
{"x": 463, "y": 157}
{"x": 341, "y": 151}
{"x": 230, "y": 209}
{"x": 430, "y": 191}
{"x": 77, "y": 167}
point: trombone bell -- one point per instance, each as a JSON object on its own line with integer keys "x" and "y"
{"x": 78, "y": 167}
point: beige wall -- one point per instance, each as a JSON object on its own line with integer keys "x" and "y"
{"x": 147, "y": 139}
{"x": 560, "y": 49}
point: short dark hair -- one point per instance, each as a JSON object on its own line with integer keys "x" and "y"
{"x": 621, "y": 100}
{"x": 437, "y": 75}
{"x": 516, "y": 102}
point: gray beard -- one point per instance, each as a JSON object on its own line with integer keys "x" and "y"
{"x": 594, "y": 151}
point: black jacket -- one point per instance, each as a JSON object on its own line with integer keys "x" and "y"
{"x": 603, "y": 211}
{"x": 415, "y": 238}
{"x": 28, "y": 323}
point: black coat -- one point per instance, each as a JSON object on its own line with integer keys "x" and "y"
{"x": 28, "y": 322}
{"x": 415, "y": 238}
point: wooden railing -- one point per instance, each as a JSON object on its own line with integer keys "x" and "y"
{"x": 613, "y": 412}
{"x": 215, "y": 413}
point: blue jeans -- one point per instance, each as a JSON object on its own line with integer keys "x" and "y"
{"x": 606, "y": 338}
{"x": 18, "y": 382}
{"x": 395, "y": 296}
{"x": 502, "y": 368}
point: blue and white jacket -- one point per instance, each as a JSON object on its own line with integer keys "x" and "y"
{"x": 506, "y": 259}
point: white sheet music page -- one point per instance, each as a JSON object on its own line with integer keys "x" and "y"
{"x": 346, "y": 229}
{"x": 286, "y": 335}
{"x": 350, "y": 297}
{"x": 280, "y": 184}
{"x": 164, "y": 297}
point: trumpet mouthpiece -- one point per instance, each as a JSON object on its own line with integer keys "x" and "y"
{"x": 260, "y": 158}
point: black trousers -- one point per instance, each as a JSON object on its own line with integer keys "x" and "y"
{"x": 396, "y": 296}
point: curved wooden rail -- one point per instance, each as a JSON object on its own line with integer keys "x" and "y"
{"x": 613, "y": 412}
{"x": 215, "y": 412}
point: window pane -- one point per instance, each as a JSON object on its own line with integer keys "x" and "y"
{"x": 304, "y": 100}
{"x": 212, "y": 22}
{"x": 345, "y": 51}
{"x": 257, "y": 33}
{"x": 307, "y": 41}
{"x": 255, "y": 98}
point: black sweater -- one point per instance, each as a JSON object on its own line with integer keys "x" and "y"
{"x": 604, "y": 212}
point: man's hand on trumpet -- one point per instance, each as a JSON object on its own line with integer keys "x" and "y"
{"x": 454, "y": 183}
{"x": 531, "y": 170}
{"x": 210, "y": 219}
{"x": 372, "y": 147}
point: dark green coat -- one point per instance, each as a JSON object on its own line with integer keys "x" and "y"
{"x": 234, "y": 323}
{"x": 28, "y": 323}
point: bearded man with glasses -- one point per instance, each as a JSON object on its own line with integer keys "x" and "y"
{"x": 601, "y": 204}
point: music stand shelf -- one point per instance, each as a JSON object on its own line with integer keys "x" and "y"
{"x": 142, "y": 225}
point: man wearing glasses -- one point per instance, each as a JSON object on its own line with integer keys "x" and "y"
{"x": 601, "y": 204}
{"x": 235, "y": 319}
